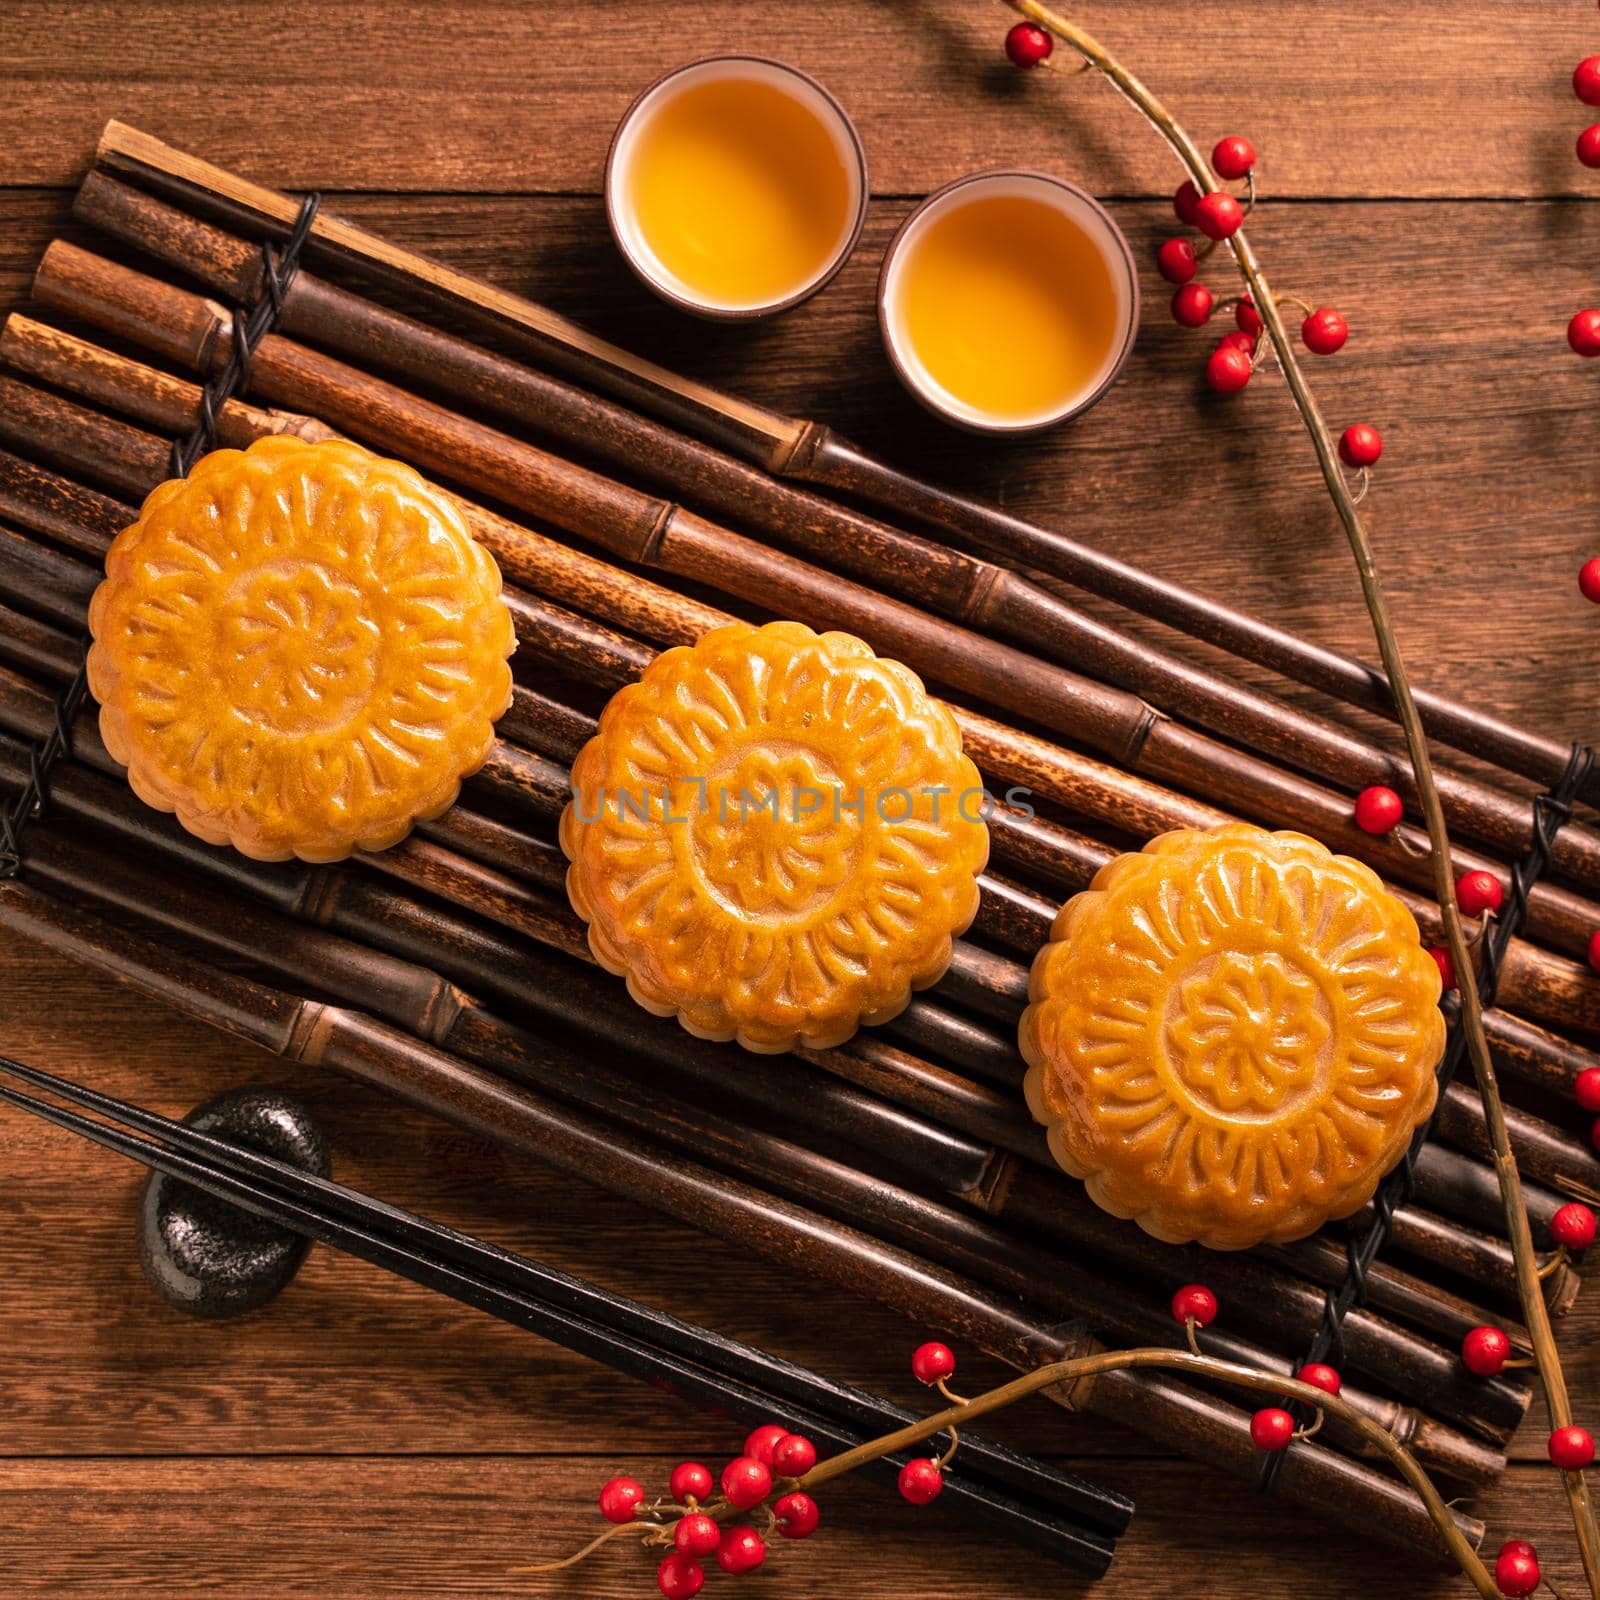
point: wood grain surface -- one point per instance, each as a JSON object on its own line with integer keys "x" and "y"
{"x": 361, "y": 1438}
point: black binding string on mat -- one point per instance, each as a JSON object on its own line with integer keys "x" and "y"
{"x": 278, "y": 267}
{"x": 1551, "y": 811}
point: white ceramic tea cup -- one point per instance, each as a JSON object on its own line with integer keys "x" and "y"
{"x": 1092, "y": 220}
{"x": 619, "y": 187}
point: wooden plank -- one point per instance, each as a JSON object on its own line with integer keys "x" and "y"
{"x": 504, "y": 97}
{"x": 261, "y": 1529}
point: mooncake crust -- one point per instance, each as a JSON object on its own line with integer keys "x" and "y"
{"x": 299, "y": 649}
{"x": 1232, "y": 1036}
{"x": 788, "y": 930}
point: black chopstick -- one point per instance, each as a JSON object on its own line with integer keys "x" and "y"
{"x": 625, "y": 1335}
{"x": 1031, "y": 1479}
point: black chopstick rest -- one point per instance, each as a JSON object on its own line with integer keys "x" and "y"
{"x": 210, "y": 1258}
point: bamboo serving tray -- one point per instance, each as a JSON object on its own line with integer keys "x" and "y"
{"x": 631, "y": 509}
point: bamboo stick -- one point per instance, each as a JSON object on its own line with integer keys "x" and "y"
{"x": 374, "y": 1053}
{"x": 1120, "y": 799}
{"x": 66, "y": 512}
{"x": 134, "y": 462}
{"x": 1007, "y": 912}
{"x": 302, "y": 890}
{"x": 356, "y": 975}
{"x": 635, "y": 527}
{"x": 986, "y": 597}
{"x": 803, "y": 450}
{"x": 474, "y": 957}
{"x": 1551, "y": 988}
{"x": 35, "y": 646}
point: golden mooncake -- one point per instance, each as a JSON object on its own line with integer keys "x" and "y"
{"x": 1232, "y": 1036}
{"x": 299, "y": 649}
{"x": 774, "y": 836}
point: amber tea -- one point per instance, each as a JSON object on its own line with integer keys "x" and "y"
{"x": 1008, "y": 301}
{"x": 736, "y": 186}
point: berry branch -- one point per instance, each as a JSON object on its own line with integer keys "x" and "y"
{"x": 1220, "y": 216}
{"x": 687, "y": 1522}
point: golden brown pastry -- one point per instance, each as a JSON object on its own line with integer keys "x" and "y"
{"x": 299, "y": 649}
{"x": 775, "y": 836}
{"x": 1232, "y": 1036}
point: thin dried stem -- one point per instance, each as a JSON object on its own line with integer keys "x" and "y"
{"x": 1535, "y": 1312}
{"x": 1183, "y": 1361}
{"x": 615, "y": 1532}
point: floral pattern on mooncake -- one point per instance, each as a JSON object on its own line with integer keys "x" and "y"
{"x": 1232, "y": 1036}
{"x": 774, "y": 836}
{"x": 299, "y": 649}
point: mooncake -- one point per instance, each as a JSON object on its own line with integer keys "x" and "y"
{"x": 1232, "y": 1036}
{"x": 299, "y": 649}
{"x": 774, "y": 836}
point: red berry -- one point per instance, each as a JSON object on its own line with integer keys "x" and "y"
{"x": 690, "y": 1480}
{"x": 1248, "y": 318}
{"x": 1583, "y": 333}
{"x": 1573, "y": 1226}
{"x": 1320, "y": 1376}
{"x": 1571, "y": 1448}
{"x": 932, "y": 1362}
{"x": 1360, "y": 445}
{"x": 1218, "y": 215}
{"x": 1185, "y": 201}
{"x": 920, "y": 1481}
{"x": 1272, "y": 1428}
{"x": 1238, "y": 339}
{"x": 746, "y": 1482}
{"x": 1228, "y": 369}
{"x": 1324, "y": 331}
{"x": 797, "y": 1515}
{"x": 618, "y": 1497}
{"x": 1519, "y": 1547}
{"x": 793, "y": 1456}
{"x": 763, "y": 1441}
{"x": 1516, "y": 1574}
{"x": 679, "y": 1578}
{"x": 1443, "y": 960}
{"x": 1485, "y": 1351}
{"x": 1027, "y": 44}
{"x": 1233, "y": 156}
{"x": 1586, "y": 1088}
{"x": 1478, "y": 892}
{"x": 741, "y": 1550}
{"x": 1176, "y": 261}
{"x": 1197, "y": 1301}
{"x": 1589, "y": 146}
{"x": 1589, "y": 579}
{"x": 1586, "y": 80}
{"x": 1191, "y": 305}
{"x": 1378, "y": 809}
{"x": 697, "y": 1535}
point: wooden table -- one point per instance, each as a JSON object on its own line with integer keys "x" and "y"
{"x": 361, "y": 1438}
